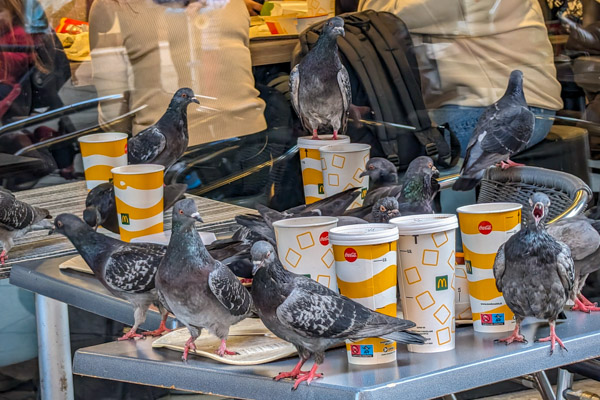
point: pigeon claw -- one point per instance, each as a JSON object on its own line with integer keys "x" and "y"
{"x": 3, "y": 257}
{"x": 552, "y": 339}
{"x": 188, "y": 345}
{"x": 309, "y": 377}
{"x": 162, "y": 328}
{"x": 508, "y": 163}
{"x": 335, "y": 135}
{"x": 131, "y": 335}
{"x": 315, "y": 135}
{"x": 585, "y": 301}
{"x": 514, "y": 337}
{"x": 587, "y": 308}
{"x": 222, "y": 351}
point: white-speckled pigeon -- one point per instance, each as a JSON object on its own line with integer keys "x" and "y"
{"x": 101, "y": 208}
{"x": 311, "y": 316}
{"x": 200, "y": 291}
{"x": 503, "y": 129}
{"x": 535, "y": 273}
{"x": 164, "y": 142}
{"x": 383, "y": 179}
{"x": 127, "y": 270}
{"x": 582, "y": 236}
{"x": 320, "y": 85}
{"x": 18, "y": 218}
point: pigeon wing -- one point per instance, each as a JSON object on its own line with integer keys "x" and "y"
{"x": 15, "y": 214}
{"x": 295, "y": 92}
{"x": 132, "y": 268}
{"x": 499, "y": 264}
{"x": 146, "y": 145}
{"x": 228, "y": 290}
{"x": 346, "y": 91}
{"x": 578, "y": 234}
{"x": 509, "y": 131}
{"x": 565, "y": 267}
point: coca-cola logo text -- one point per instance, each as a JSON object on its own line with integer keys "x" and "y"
{"x": 350, "y": 254}
{"x": 485, "y": 228}
{"x": 324, "y": 238}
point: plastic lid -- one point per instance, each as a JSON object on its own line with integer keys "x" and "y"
{"x": 102, "y": 137}
{"x": 304, "y": 222}
{"x": 363, "y": 234}
{"x": 307, "y": 142}
{"x": 488, "y": 208}
{"x": 425, "y": 223}
{"x": 345, "y": 148}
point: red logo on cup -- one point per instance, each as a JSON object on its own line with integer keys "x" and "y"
{"x": 324, "y": 238}
{"x": 485, "y": 228}
{"x": 125, "y": 148}
{"x": 355, "y": 349}
{"x": 350, "y": 254}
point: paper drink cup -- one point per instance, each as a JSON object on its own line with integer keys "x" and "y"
{"x": 282, "y": 24}
{"x": 426, "y": 277}
{"x": 365, "y": 264}
{"x": 320, "y": 7}
{"x": 303, "y": 247}
{"x": 484, "y": 228}
{"x": 462, "y": 300}
{"x": 101, "y": 152}
{"x": 342, "y": 165}
{"x": 139, "y": 198}
{"x": 310, "y": 163}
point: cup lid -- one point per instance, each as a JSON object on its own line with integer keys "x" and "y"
{"x": 363, "y": 234}
{"x": 425, "y": 223}
{"x": 488, "y": 208}
{"x": 305, "y": 222}
{"x": 307, "y": 142}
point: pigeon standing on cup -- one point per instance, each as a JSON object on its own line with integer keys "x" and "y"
{"x": 164, "y": 142}
{"x": 503, "y": 129}
{"x": 18, "y": 218}
{"x": 320, "y": 85}
{"x": 313, "y": 317}
{"x": 127, "y": 270}
{"x": 535, "y": 273}
{"x": 202, "y": 292}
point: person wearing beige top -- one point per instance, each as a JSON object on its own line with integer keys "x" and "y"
{"x": 466, "y": 51}
{"x": 150, "y": 50}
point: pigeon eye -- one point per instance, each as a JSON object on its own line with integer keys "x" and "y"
{"x": 430, "y": 165}
{"x": 59, "y": 224}
{"x": 371, "y": 167}
{"x": 184, "y": 95}
{"x": 180, "y": 211}
{"x": 382, "y": 208}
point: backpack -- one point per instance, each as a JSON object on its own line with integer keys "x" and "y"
{"x": 378, "y": 53}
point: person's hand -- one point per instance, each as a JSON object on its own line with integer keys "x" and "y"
{"x": 253, "y": 7}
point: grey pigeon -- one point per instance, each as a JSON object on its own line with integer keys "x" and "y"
{"x": 311, "y": 316}
{"x": 164, "y": 142}
{"x": 101, "y": 208}
{"x": 127, "y": 270}
{"x": 334, "y": 205}
{"x": 503, "y": 129}
{"x": 582, "y": 236}
{"x": 320, "y": 85}
{"x": 535, "y": 273}
{"x": 383, "y": 179}
{"x": 384, "y": 210}
{"x": 18, "y": 218}
{"x": 200, "y": 291}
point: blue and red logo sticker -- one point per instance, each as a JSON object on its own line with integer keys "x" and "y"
{"x": 492, "y": 319}
{"x": 361, "y": 350}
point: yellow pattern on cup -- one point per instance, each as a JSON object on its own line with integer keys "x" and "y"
{"x": 139, "y": 199}
{"x": 100, "y": 153}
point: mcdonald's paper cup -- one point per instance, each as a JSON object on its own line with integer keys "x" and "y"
{"x": 365, "y": 264}
{"x": 426, "y": 277}
{"x": 342, "y": 165}
{"x": 303, "y": 247}
{"x": 310, "y": 162}
{"x": 320, "y": 7}
{"x": 139, "y": 198}
{"x": 484, "y": 228}
{"x": 462, "y": 300}
{"x": 101, "y": 152}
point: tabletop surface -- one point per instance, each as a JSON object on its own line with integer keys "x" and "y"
{"x": 70, "y": 198}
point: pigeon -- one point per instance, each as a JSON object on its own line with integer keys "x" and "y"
{"x": 313, "y": 317}
{"x": 384, "y": 210}
{"x": 101, "y": 208}
{"x": 127, "y": 270}
{"x": 334, "y": 205}
{"x": 383, "y": 179}
{"x": 535, "y": 273}
{"x": 503, "y": 129}
{"x": 200, "y": 291}
{"x": 320, "y": 85}
{"x": 18, "y": 218}
{"x": 164, "y": 142}
{"x": 582, "y": 235}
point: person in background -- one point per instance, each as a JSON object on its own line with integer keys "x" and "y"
{"x": 466, "y": 51}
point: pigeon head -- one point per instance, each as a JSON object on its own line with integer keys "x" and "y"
{"x": 515, "y": 86}
{"x": 262, "y": 253}
{"x": 380, "y": 170}
{"x": 69, "y": 225}
{"x": 92, "y": 216}
{"x": 385, "y": 209}
{"x": 423, "y": 166}
{"x": 183, "y": 97}
{"x": 539, "y": 203}
{"x": 186, "y": 209}
{"x": 334, "y": 27}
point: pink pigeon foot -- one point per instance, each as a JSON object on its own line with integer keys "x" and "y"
{"x": 3, "y": 257}
{"x": 552, "y": 339}
{"x": 246, "y": 280}
{"x": 581, "y": 306}
{"x": 514, "y": 337}
{"x": 296, "y": 372}
{"x": 188, "y": 345}
{"x": 585, "y": 301}
{"x": 162, "y": 328}
{"x": 335, "y": 133}
{"x": 222, "y": 351}
{"x": 315, "y": 135}
{"x": 508, "y": 163}
{"x": 130, "y": 335}
{"x": 308, "y": 377}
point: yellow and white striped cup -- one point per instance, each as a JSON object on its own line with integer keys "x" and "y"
{"x": 101, "y": 152}
{"x": 365, "y": 265}
{"x": 303, "y": 247}
{"x": 310, "y": 163}
{"x": 342, "y": 165}
{"x": 484, "y": 228}
{"x": 139, "y": 198}
{"x": 426, "y": 277}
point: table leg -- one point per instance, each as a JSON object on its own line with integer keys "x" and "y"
{"x": 543, "y": 385}
{"x": 563, "y": 382}
{"x": 54, "y": 348}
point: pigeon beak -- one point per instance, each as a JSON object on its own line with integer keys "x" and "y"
{"x": 364, "y": 173}
{"x": 51, "y": 231}
{"x": 195, "y": 100}
{"x": 197, "y": 217}
{"x": 257, "y": 265}
{"x": 538, "y": 212}
{"x": 435, "y": 171}
{"x": 340, "y": 30}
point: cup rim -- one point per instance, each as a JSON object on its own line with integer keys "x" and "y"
{"x": 484, "y": 208}
{"x": 306, "y": 142}
{"x": 422, "y": 224}
{"x": 305, "y": 222}
{"x": 95, "y": 137}
{"x": 363, "y": 234}
{"x": 141, "y": 169}
{"x": 353, "y": 148}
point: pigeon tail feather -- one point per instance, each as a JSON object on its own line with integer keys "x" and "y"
{"x": 405, "y": 337}
{"x": 463, "y": 184}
